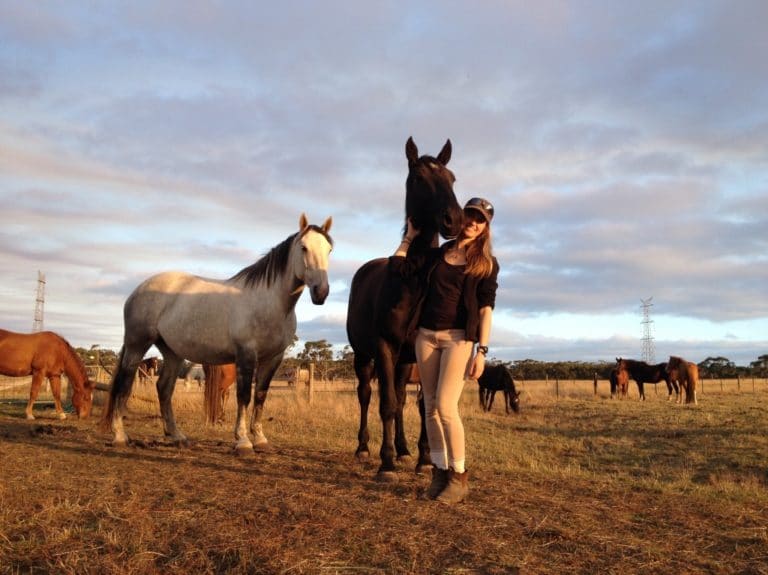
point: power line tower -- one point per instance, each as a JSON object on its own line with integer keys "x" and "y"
{"x": 648, "y": 353}
{"x": 37, "y": 325}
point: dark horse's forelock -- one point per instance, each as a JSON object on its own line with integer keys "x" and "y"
{"x": 275, "y": 263}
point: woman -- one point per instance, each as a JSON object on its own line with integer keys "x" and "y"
{"x": 460, "y": 279}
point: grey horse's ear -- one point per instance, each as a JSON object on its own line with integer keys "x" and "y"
{"x": 411, "y": 151}
{"x": 327, "y": 224}
{"x": 303, "y": 222}
{"x": 445, "y": 154}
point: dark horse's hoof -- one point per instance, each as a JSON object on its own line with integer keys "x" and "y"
{"x": 363, "y": 455}
{"x": 423, "y": 469}
{"x": 386, "y": 476}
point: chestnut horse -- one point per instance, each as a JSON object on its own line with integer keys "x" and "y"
{"x": 46, "y": 355}
{"x": 686, "y": 373}
{"x": 382, "y": 309}
{"x": 218, "y": 380}
{"x": 643, "y": 372}
{"x": 248, "y": 319}
{"x": 619, "y": 382}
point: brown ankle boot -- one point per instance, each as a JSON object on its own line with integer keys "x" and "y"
{"x": 439, "y": 481}
{"x": 457, "y": 489}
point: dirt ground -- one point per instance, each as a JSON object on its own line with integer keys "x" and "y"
{"x": 553, "y": 491}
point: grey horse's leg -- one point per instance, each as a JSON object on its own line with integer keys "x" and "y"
{"x": 264, "y": 374}
{"x": 245, "y": 361}
{"x": 166, "y": 384}
{"x": 120, "y": 390}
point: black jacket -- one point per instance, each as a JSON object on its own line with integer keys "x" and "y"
{"x": 478, "y": 292}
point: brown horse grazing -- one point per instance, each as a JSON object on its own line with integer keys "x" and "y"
{"x": 686, "y": 373}
{"x": 218, "y": 380}
{"x": 46, "y": 355}
{"x": 619, "y": 383}
{"x": 643, "y": 373}
{"x": 382, "y": 307}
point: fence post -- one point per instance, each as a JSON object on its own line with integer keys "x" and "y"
{"x": 311, "y": 383}
{"x": 557, "y": 387}
{"x": 738, "y": 382}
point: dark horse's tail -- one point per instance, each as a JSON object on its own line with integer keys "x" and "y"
{"x": 119, "y": 389}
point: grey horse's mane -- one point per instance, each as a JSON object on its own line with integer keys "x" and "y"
{"x": 274, "y": 264}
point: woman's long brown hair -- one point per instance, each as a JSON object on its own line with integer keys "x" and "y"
{"x": 479, "y": 255}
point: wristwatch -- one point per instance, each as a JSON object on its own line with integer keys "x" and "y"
{"x": 482, "y": 349}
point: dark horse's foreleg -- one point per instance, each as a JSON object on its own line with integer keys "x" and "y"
{"x": 385, "y": 370}
{"x": 364, "y": 373}
{"x": 641, "y": 390}
{"x": 264, "y": 374}
{"x": 424, "y": 464}
{"x": 402, "y": 371}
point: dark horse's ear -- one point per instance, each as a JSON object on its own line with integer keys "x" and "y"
{"x": 445, "y": 154}
{"x": 411, "y": 152}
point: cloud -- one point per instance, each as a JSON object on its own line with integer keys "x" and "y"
{"x": 624, "y": 147}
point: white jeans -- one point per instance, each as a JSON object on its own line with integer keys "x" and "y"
{"x": 443, "y": 357}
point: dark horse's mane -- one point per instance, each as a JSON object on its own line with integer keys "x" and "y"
{"x": 272, "y": 265}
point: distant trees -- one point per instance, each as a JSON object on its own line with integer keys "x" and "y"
{"x": 341, "y": 366}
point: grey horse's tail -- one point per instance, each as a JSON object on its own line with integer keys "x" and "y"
{"x": 116, "y": 392}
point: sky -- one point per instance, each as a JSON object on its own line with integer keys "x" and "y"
{"x": 624, "y": 146}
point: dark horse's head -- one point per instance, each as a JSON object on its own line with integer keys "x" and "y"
{"x": 429, "y": 198}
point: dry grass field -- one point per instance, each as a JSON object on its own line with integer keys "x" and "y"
{"x": 577, "y": 483}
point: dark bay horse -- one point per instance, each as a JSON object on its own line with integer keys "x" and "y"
{"x": 218, "y": 380}
{"x": 148, "y": 369}
{"x": 643, "y": 372}
{"x": 686, "y": 373}
{"x": 496, "y": 377}
{"x": 382, "y": 308}
{"x": 248, "y": 319}
{"x": 46, "y": 355}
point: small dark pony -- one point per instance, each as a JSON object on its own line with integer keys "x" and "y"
{"x": 218, "y": 380}
{"x": 382, "y": 307}
{"x": 46, "y": 355}
{"x": 643, "y": 373}
{"x": 498, "y": 378}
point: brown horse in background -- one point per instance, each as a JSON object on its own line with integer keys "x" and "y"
{"x": 148, "y": 368}
{"x": 46, "y": 355}
{"x": 619, "y": 382}
{"x": 218, "y": 380}
{"x": 686, "y": 373}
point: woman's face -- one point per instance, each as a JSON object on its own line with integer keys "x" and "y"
{"x": 474, "y": 224}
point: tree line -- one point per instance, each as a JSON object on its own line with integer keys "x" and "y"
{"x": 339, "y": 365}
